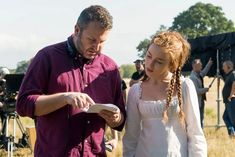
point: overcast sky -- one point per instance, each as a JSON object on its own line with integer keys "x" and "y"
{"x": 26, "y": 26}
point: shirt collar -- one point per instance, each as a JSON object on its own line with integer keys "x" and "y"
{"x": 229, "y": 73}
{"x": 72, "y": 51}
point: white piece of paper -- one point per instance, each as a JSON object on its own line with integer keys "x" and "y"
{"x": 96, "y": 108}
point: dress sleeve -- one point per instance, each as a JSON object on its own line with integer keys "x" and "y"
{"x": 197, "y": 146}
{"x": 132, "y": 132}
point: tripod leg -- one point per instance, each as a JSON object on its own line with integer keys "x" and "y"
{"x": 3, "y": 138}
{"x": 3, "y": 129}
{"x": 7, "y": 122}
{"x": 12, "y": 145}
{"x": 25, "y": 136}
{"x": 8, "y": 147}
{"x": 14, "y": 129}
{"x": 7, "y": 136}
{"x": 10, "y": 138}
{"x": 20, "y": 124}
{"x": 8, "y": 143}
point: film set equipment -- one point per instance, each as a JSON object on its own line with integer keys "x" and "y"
{"x": 219, "y": 48}
{"x": 10, "y": 86}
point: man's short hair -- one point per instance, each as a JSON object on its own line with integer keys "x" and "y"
{"x": 229, "y": 64}
{"x": 95, "y": 13}
{"x": 138, "y": 61}
{"x": 196, "y": 61}
{"x": 4, "y": 71}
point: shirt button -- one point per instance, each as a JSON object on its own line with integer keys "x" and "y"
{"x": 84, "y": 68}
{"x": 86, "y": 141}
{"x": 88, "y": 122}
{"x": 85, "y": 85}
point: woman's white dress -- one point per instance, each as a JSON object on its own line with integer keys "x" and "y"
{"x": 148, "y": 136}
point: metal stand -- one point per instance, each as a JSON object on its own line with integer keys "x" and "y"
{"x": 218, "y": 91}
{"x": 218, "y": 100}
{"x": 9, "y": 139}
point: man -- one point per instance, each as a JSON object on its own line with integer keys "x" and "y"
{"x": 65, "y": 79}
{"x": 124, "y": 89}
{"x": 228, "y": 93}
{"x": 196, "y": 76}
{"x": 136, "y": 76}
{"x": 3, "y": 73}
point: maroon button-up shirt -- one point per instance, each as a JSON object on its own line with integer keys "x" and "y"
{"x": 68, "y": 131}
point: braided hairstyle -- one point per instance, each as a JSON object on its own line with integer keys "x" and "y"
{"x": 174, "y": 44}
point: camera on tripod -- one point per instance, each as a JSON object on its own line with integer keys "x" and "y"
{"x": 9, "y": 87}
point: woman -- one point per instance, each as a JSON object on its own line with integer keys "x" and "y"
{"x": 162, "y": 112}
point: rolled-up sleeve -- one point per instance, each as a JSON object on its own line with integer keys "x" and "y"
{"x": 197, "y": 146}
{"x": 33, "y": 85}
{"x": 130, "y": 139}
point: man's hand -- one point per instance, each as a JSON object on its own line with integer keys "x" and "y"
{"x": 1, "y": 104}
{"x": 210, "y": 61}
{"x": 113, "y": 143}
{"x": 113, "y": 119}
{"x": 80, "y": 100}
{"x": 230, "y": 97}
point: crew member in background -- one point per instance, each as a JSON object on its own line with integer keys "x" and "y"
{"x": 228, "y": 93}
{"x": 197, "y": 76}
{"x": 3, "y": 73}
{"x": 138, "y": 75}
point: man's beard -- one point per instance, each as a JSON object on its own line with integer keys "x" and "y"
{"x": 80, "y": 48}
{"x": 79, "y": 44}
